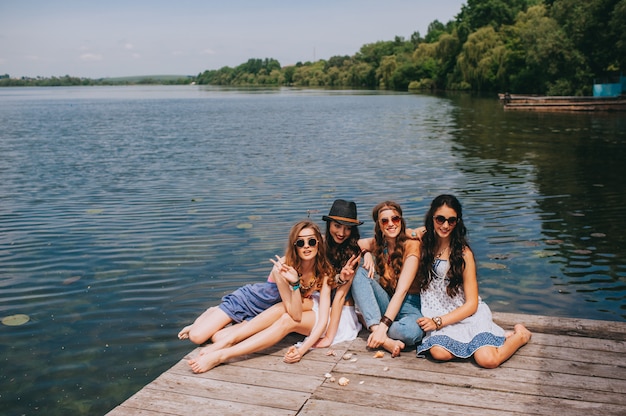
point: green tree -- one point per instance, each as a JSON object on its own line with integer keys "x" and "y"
{"x": 542, "y": 58}
{"x": 585, "y": 23}
{"x": 482, "y": 59}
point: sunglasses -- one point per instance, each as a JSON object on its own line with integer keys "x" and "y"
{"x": 395, "y": 219}
{"x": 440, "y": 219}
{"x": 300, "y": 242}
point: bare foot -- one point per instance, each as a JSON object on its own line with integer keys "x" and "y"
{"x": 395, "y": 347}
{"x": 184, "y": 333}
{"x": 204, "y": 363}
{"x": 523, "y": 332}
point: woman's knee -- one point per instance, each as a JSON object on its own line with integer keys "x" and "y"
{"x": 487, "y": 357}
{"x": 440, "y": 354}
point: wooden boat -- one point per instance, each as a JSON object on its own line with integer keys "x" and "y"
{"x": 562, "y": 103}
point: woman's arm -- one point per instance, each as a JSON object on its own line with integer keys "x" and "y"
{"x": 347, "y": 274}
{"x": 407, "y": 275}
{"x": 367, "y": 246}
{"x": 286, "y": 277}
{"x": 295, "y": 354}
{"x": 470, "y": 289}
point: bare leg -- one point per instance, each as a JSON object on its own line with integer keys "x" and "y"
{"x": 491, "y": 357}
{"x": 241, "y": 331}
{"x": 257, "y": 342}
{"x": 440, "y": 353}
{"x": 207, "y": 324}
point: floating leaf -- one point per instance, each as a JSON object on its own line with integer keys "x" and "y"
{"x": 544, "y": 253}
{"x": 71, "y": 280}
{"x": 244, "y": 225}
{"x": 94, "y": 211}
{"x": 254, "y": 217}
{"x": 15, "y": 320}
{"x": 493, "y": 266}
{"x": 196, "y": 199}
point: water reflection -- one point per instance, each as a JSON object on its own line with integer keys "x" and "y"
{"x": 573, "y": 166}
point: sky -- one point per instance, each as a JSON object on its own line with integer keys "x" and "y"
{"x": 114, "y": 38}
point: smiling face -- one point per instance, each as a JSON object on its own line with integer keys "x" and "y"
{"x": 390, "y": 223}
{"x": 307, "y": 244}
{"x": 339, "y": 232}
{"x": 443, "y": 226}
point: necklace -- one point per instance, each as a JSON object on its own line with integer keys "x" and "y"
{"x": 304, "y": 288}
{"x": 441, "y": 253}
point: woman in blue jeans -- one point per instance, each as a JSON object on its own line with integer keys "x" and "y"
{"x": 390, "y": 303}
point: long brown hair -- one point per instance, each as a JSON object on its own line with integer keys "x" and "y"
{"x": 396, "y": 258}
{"x": 322, "y": 268}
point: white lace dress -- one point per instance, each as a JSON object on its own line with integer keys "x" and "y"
{"x": 463, "y": 338}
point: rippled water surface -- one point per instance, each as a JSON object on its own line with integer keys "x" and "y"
{"x": 125, "y": 212}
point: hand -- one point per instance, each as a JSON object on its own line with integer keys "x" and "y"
{"x": 287, "y": 272}
{"x": 378, "y": 336}
{"x": 368, "y": 264}
{"x": 427, "y": 324}
{"x": 292, "y": 355}
{"x": 416, "y": 233}
{"x": 349, "y": 269}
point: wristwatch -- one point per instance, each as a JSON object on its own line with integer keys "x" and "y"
{"x": 437, "y": 321}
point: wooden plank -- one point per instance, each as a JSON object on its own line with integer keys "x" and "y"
{"x": 564, "y": 326}
{"x": 176, "y": 403}
{"x": 570, "y": 366}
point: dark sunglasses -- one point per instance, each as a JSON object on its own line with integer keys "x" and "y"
{"x": 440, "y": 219}
{"x": 300, "y": 242}
{"x": 395, "y": 219}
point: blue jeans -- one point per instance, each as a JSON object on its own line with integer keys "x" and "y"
{"x": 372, "y": 301}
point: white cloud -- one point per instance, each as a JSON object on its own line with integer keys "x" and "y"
{"x": 129, "y": 46}
{"x": 91, "y": 57}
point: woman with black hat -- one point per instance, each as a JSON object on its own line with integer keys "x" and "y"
{"x": 343, "y": 251}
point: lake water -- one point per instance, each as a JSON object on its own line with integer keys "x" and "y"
{"x": 126, "y": 211}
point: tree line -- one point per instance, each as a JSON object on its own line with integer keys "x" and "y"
{"x": 554, "y": 47}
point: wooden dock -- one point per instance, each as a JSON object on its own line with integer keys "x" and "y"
{"x": 570, "y": 367}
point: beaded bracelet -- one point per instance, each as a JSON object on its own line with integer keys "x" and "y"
{"x": 296, "y": 286}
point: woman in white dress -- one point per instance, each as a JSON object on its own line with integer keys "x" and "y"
{"x": 456, "y": 321}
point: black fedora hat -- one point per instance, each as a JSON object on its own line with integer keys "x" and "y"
{"x": 344, "y": 212}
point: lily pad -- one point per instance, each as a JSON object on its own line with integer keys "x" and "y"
{"x": 244, "y": 226}
{"x": 15, "y": 320}
{"x": 71, "y": 280}
{"x": 493, "y": 266}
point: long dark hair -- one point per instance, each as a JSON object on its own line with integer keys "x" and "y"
{"x": 338, "y": 254}
{"x": 396, "y": 258}
{"x": 458, "y": 242}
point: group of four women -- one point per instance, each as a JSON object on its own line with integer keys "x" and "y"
{"x": 415, "y": 288}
